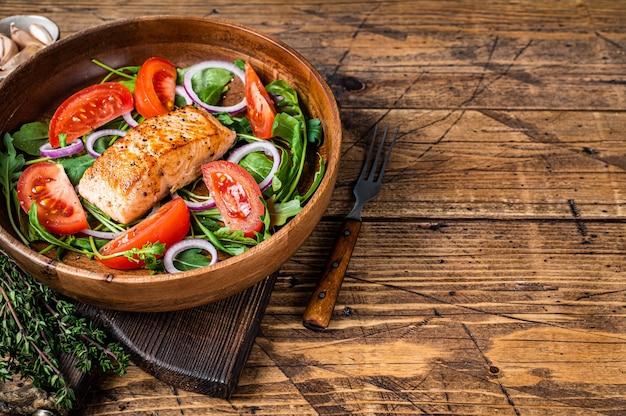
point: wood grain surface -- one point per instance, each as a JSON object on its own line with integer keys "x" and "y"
{"x": 487, "y": 278}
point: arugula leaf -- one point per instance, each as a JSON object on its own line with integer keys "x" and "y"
{"x": 129, "y": 83}
{"x": 288, "y": 97}
{"x": 281, "y": 177}
{"x": 240, "y": 125}
{"x": 289, "y": 128}
{"x": 240, "y": 63}
{"x": 317, "y": 179}
{"x": 44, "y": 235}
{"x": 215, "y": 234}
{"x": 292, "y": 126}
{"x": 282, "y": 212}
{"x": 225, "y": 234}
{"x": 267, "y": 222}
{"x": 127, "y": 73}
{"x": 149, "y": 253}
{"x": 315, "y": 131}
{"x": 11, "y": 165}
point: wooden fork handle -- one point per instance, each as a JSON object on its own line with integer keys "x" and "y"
{"x": 320, "y": 308}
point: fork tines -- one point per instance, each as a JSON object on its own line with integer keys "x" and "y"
{"x": 377, "y": 168}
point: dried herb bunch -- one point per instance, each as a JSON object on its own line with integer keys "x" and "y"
{"x": 38, "y": 325}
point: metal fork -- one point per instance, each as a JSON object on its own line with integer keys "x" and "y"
{"x": 320, "y": 308}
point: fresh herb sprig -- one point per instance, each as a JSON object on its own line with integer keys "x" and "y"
{"x": 37, "y": 326}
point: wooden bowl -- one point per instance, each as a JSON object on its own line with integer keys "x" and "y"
{"x": 33, "y": 91}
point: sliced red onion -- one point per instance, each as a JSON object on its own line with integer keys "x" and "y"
{"x": 105, "y": 235}
{"x": 128, "y": 118}
{"x": 259, "y": 146}
{"x": 181, "y": 91}
{"x": 213, "y": 64}
{"x": 199, "y": 205}
{"x": 72, "y": 148}
{"x": 186, "y": 244}
{"x": 91, "y": 139}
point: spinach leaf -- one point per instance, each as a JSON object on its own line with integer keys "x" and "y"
{"x": 210, "y": 84}
{"x": 191, "y": 259}
{"x": 257, "y": 164}
{"x": 75, "y": 166}
{"x": 30, "y": 137}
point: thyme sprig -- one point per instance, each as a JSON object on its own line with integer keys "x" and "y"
{"x": 37, "y": 326}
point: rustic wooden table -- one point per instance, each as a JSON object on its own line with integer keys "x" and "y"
{"x": 487, "y": 278}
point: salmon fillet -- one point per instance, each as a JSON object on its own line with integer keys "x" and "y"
{"x": 154, "y": 159}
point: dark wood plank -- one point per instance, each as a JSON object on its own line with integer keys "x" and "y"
{"x": 203, "y": 349}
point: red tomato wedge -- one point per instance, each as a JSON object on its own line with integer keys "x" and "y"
{"x": 167, "y": 226}
{"x": 58, "y": 208}
{"x": 261, "y": 111}
{"x": 237, "y": 195}
{"x": 155, "y": 88}
{"x": 89, "y": 109}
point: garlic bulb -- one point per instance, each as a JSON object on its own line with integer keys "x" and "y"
{"x": 20, "y": 45}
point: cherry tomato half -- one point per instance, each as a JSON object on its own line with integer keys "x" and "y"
{"x": 89, "y": 109}
{"x": 167, "y": 226}
{"x": 155, "y": 88}
{"x": 237, "y": 195}
{"x": 58, "y": 208}
{"x": 261, "y": 111}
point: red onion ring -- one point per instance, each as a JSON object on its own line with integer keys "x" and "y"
{"x": 91, "y": 139}
{"x": 72, "y": 148}
{"x": 213, "y": 64}
{"x": 105, "y": 235}
{"x": 186, "y": 244}
{"x": 182, "y": 92}
{"x": 264, "y": 146}
{"x": 199, "y": 205}
{"x": 128, "y": 118}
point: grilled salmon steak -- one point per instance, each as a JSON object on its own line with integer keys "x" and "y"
{"x": 154, "y": 159}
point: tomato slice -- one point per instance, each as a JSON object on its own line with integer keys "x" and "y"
{"x": 237, "y": 195}
{"x": 167, "y": 226}
{"x": 89, "y": 109}
{"x": 155, "y": 89}
{"x": 261, "y": 111}
{"x": 58, "y": 208}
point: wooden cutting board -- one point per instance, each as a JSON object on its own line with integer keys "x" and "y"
{"x": 203, "y": 349}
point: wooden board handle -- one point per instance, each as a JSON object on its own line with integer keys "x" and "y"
{"x": 320, "y": 308}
